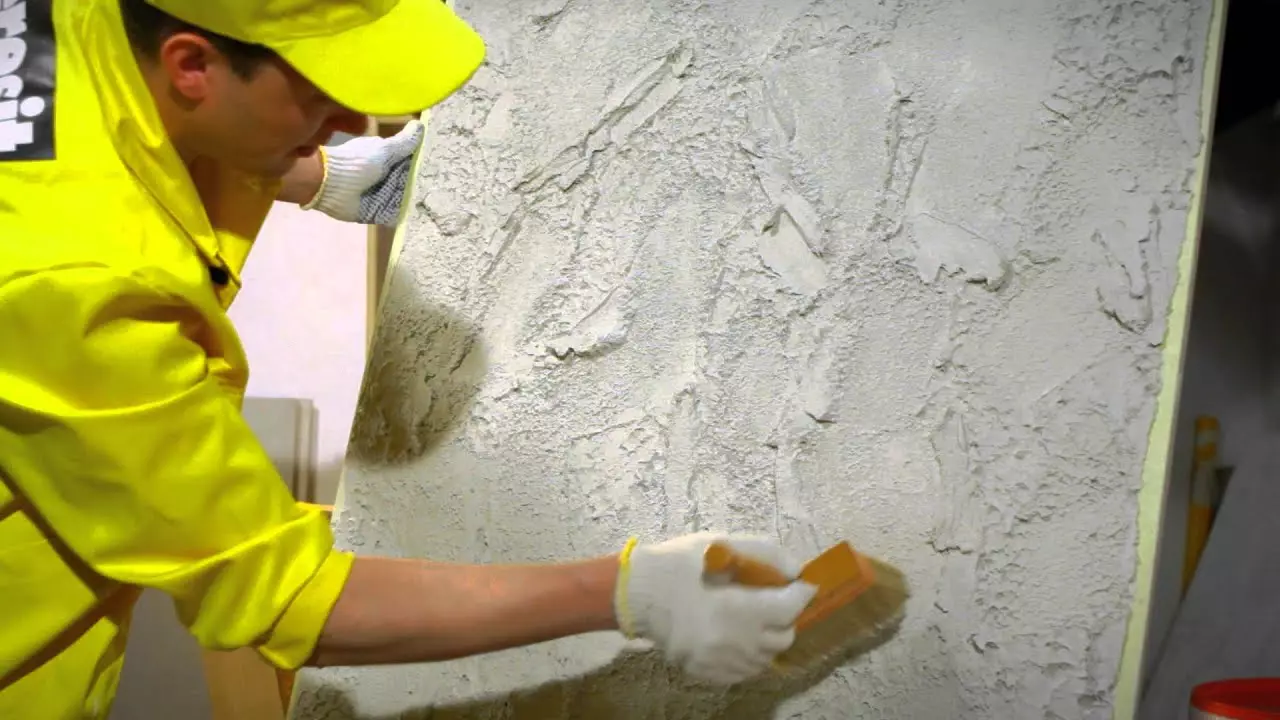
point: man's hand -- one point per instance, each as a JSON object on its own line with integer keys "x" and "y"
{"x": 717, "y": 633}
{"x": 365, "y": 178}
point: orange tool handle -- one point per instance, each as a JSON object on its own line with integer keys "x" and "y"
{"x": 722, "y": 559}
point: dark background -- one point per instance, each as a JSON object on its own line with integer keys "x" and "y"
{"x": 1250, "y": 74}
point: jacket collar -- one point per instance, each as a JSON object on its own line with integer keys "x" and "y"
{"x": 222, "y": 225}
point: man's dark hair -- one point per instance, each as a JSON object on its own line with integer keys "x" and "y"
{"x": 148, "y": 28}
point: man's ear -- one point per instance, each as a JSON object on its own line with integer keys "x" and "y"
{"x": 187, "y": 60}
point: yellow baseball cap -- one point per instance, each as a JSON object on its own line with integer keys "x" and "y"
{"x": 377, "y": 57}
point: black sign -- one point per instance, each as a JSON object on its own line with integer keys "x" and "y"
{"x": 28, "y": 55}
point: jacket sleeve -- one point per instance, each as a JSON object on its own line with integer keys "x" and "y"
{"x": 115, "y": 432}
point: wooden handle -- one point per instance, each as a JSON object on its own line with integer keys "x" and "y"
{"x": 743, "y": 570}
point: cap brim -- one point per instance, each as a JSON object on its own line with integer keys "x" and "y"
{"x": 408, "y": 60}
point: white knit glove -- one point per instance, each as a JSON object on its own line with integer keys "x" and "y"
{"x": 365, "y": 178}
{"x": 715, "y": 632}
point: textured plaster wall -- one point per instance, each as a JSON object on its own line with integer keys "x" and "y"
{"x": 890, "y": 271}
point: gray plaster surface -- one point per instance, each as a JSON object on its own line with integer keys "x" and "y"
{"x": 890, "y": 271}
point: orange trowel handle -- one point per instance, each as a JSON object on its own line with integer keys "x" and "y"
{"x": 743, "y": 570}
{"x": 840, "y": 574}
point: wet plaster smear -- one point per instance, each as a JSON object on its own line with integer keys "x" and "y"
{"x": 889, "y": 271}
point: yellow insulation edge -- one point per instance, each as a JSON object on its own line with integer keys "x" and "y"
{"x": 1155, "y": 470}
{"x": 397, "y": 243}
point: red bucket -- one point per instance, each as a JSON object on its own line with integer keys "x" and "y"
{"x": 1237, "y": 699}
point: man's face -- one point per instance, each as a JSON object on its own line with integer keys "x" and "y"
{"x": 265, "y": 123}
{"x": 261, "y": 122}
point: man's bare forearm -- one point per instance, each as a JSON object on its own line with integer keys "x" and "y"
{"x": 302, "y": 182}
{"x": 399, "y": 611}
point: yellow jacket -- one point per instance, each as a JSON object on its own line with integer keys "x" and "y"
{"x": 124, "y": 461}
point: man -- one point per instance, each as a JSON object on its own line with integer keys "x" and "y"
{"x": 141, "y": 145}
